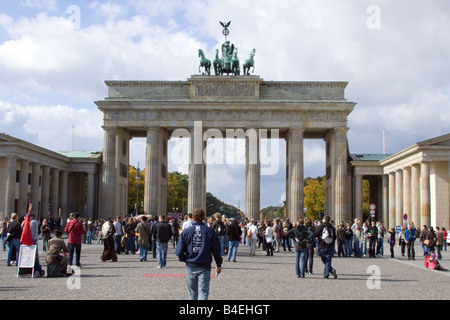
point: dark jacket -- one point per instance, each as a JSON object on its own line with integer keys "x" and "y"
{"x": 234, "y": 232}
{"x": 219, "y": 227}
{"x": 318, "y": 234}
{"x": 14, "y": 229}
{"x": 301, "y": 236}
{"x": 162, "y": 232}
{"x": 197, "y": 245}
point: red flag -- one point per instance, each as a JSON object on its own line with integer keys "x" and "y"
{"x": 26, "y": 238}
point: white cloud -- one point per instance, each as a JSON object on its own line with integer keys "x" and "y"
{"x": 398, "y": 75}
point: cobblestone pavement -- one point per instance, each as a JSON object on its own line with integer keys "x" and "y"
{"x": 259, "y": 277}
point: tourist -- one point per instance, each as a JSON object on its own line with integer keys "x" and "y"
{"x": 365, "y": 229}
{"x": 340, "y": 239}
{"x": 269, "y": 236}
{"x": 409, "y": 240}
{"x": 430, "y": 240}
{"x": 252, "y": 235}
{"x": 310, "y": 245}
{"x": 45, "y": 232}
{"x": 90, "y": 230}
{"x": 74, "y": 229}
{"x": 175, "y": 232}
{"x": 162, "y": 233}
{"x": 432, "y": 263}
{"x": 143, "y": 232}
{"x": 327, "y": 238}
{"x": 391, "y": 241}
{"x": 439, "y": 242}
{"x": 109, "y": 252}
{"x": 348, "y": 240}
{"x": 372, "y": 233}
{"x": 380, "y": 235}
{"x": 300, "y": 234}
{"x": 234, "y": 233}
{"x": 226, "y": 239}
{"x": 3, "y": 232}
{"x": 57, "y": 251}
{"x": 197, "y": 245}
{"x": 401, "y": 241}
{"x": 187, "y": 222}
{"x": 358, "y": 236}
{"x": 220, "y": 229}
{"x": 130, "y": 232}
{"x": 422, "y": 238}
{"x": 119, "y": 234}
{"x": 14, "y": 232}
{"x": 276, "y": 235}
{"x": 444, "y": 232}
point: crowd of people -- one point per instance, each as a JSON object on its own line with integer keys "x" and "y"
{"x": 131, "y": 235}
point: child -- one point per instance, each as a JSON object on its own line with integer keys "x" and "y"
{"x": 391, "y": 241}
{"x": 432, "y": 263}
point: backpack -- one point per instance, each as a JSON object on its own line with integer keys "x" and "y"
{"x": 327, "y": 235}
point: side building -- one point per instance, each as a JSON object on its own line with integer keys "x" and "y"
{"x": 57, "y": 183}
{"x": 413, "y": 183}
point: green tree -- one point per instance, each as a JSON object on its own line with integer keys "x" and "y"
{"x": 133, "y": 185}
{"x": 314, "y": 197}
{"x": 177, "y": 190}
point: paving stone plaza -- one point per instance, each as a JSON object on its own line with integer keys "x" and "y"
{"x": 256, "y": 278}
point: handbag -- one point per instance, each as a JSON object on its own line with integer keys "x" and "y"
{"x": 426, "y": 242}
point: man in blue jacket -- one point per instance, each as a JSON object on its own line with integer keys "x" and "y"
{"x": 197, "y": 245}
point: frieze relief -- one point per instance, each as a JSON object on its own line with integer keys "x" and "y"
{"x": 223, "y": 90}
{"x": 226, "y": 115}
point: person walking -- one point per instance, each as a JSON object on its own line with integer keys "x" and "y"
{"x": 234, "y": 233}
{"x": 372, "y": 234}
{"x": 422, "y": 238}
{"x": 45, "y": 232}
{"x": 340, "y": 239}
{"x": 284, "y": 239}
{"x": 162, "y": 233}
{"x": 130, "y": 232}
{"x": 348, "y": 240}
{"x": 326, "y": 234}
{"x": 401, "y": 241}
{"x": 219, "y": 227}
{"x": 196, "y": 247}
{"x": 143, "y": 232}
{"x": 276, "y": 234}
{"x": 175, "y": 232}
{"x": 119, "y": 234}
{"x": 391, "y": 241}
{"x": 269, "y": 236}
{"x": 358, "y": 235}
{"x": 75, "y": 230}
{"x": 310, "y": 245}
{"x": 439, "y": 242}
{"x": 252, "y": 234}
{"x": 109, "y": 252}
{"x": 409, "y": 240}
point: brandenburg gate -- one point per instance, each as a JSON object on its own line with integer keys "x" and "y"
{"x": 206, "y": 106}
{"x": 157, "y": 109}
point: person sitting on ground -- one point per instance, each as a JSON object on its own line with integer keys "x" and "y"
{"x": 432, "y": 263}
{"x": 57, "y": 252}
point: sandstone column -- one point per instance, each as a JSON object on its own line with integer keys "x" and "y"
{"x": 63, "y": 195}
{"x": 197, "y": 170}
{"x": 407, "y": 192}
{"x": 359, "y": 197}
{"x": 252, "y": 176}
{"x": 340, "y": 181}
{"x": 425, "y": 193}
{"x": 385, "y": 196}
{"x": 90, "y": 195}
{"x": 10, "y": 196}
{"x": 399, "y": 198}
{"x": 294, "y": 192}
{"x": 55, "y": 192}
{"x": 392, "y": 185}
{"x": 35, "y": 189}
{"x": 108, "y": 188}
{"x": 415, "y": 195}
{"x": 23, "y": 188}
{"x": 45, "y": 190}
{"x": 152, "y": 172}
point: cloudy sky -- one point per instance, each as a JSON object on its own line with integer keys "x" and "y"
{"x": 56, "y": 54}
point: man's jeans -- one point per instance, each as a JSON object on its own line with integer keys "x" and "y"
{"x": 143, "y": 251}
{"x": 326, "y": 253}
{"x": 14, "y": 243}
{"x": 233, "y": 246}
{"x": 198, "y": 283}
{"x": 118, "y": 243}
{"x": 77, "y": 249}
{"x": 162, "y": 253}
